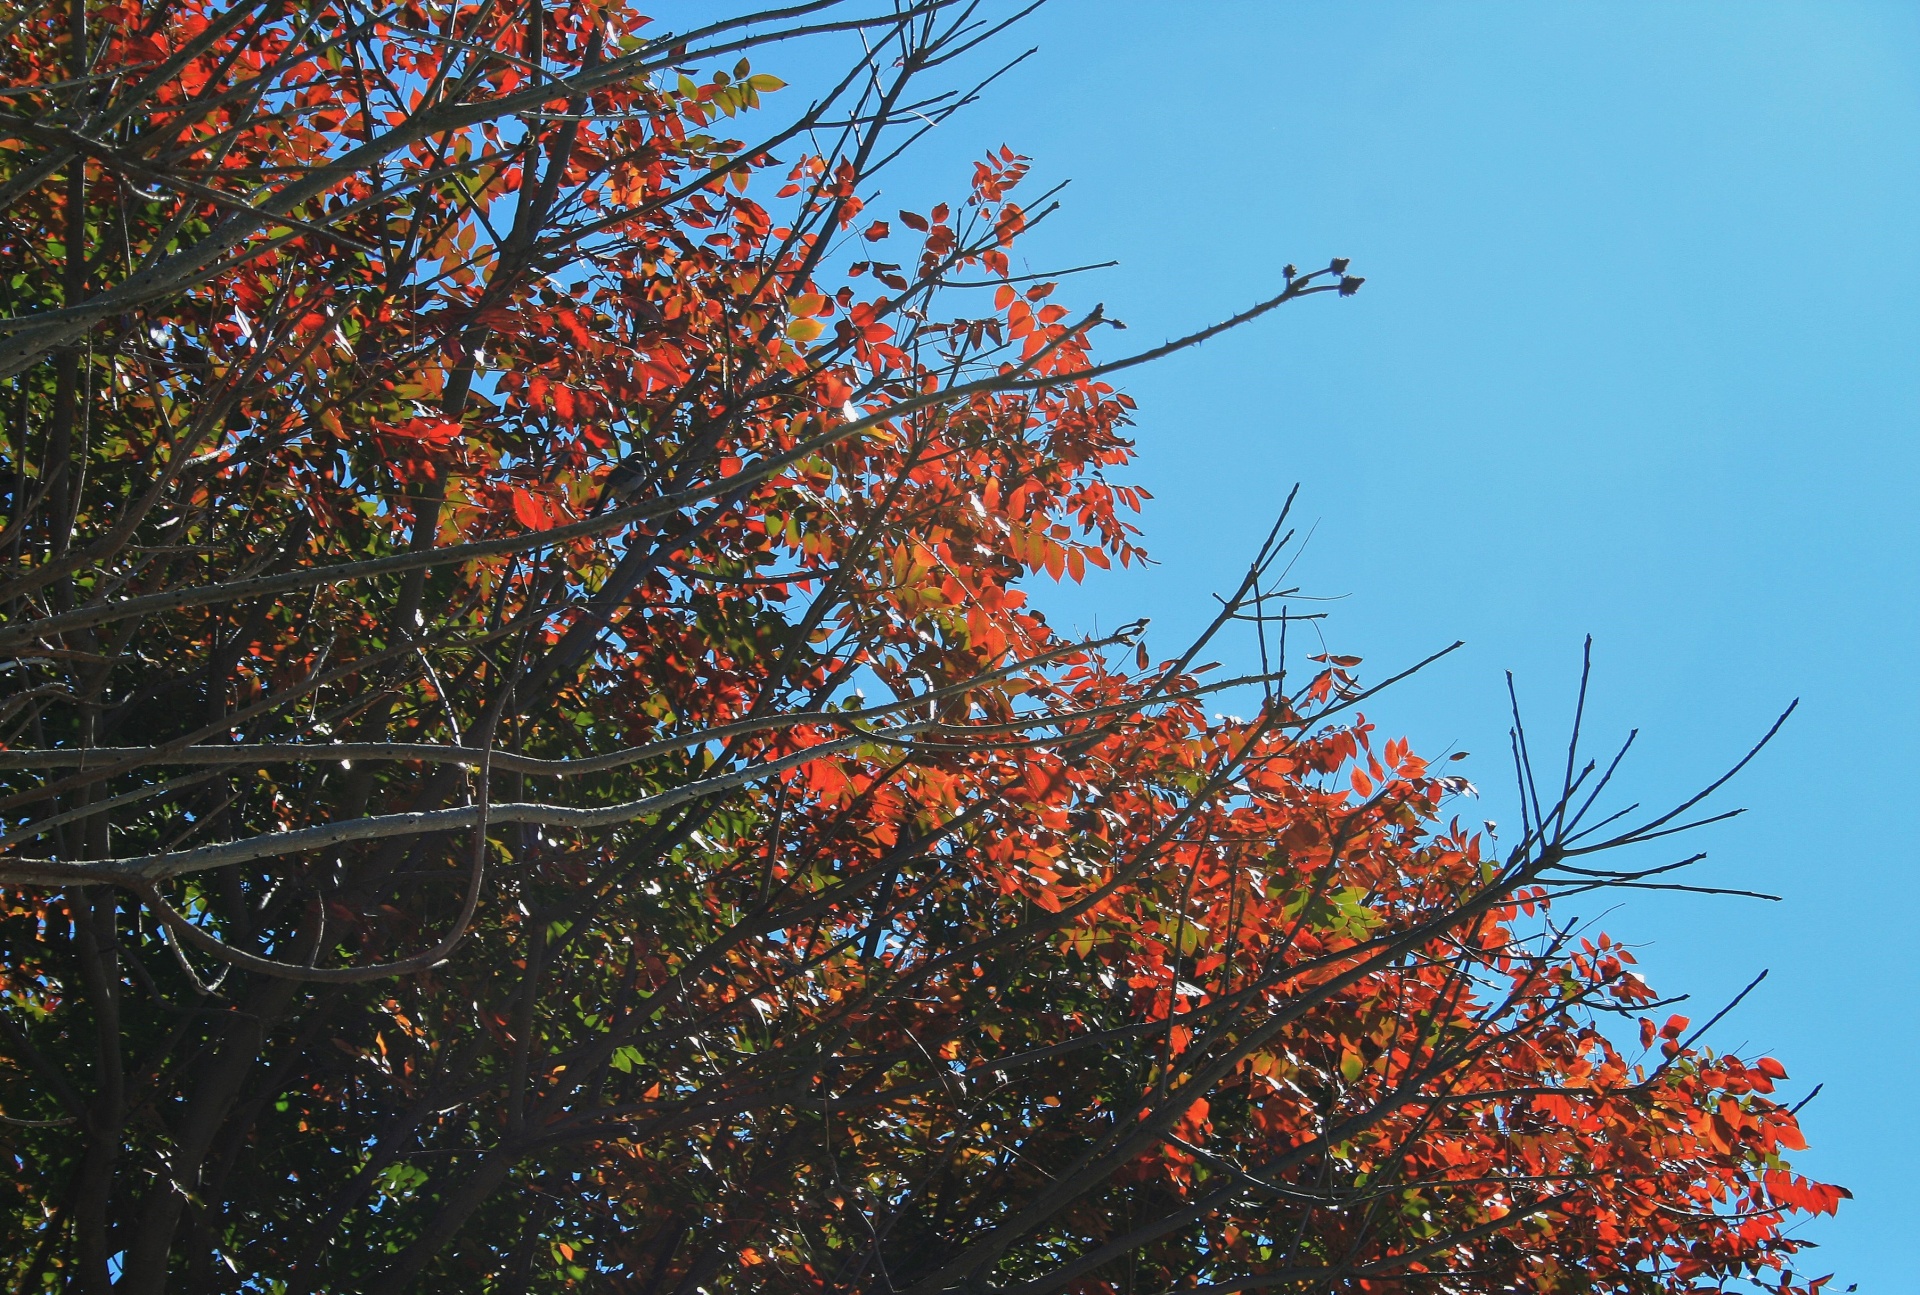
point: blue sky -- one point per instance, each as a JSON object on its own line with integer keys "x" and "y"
{"x": 1638, "y": 356}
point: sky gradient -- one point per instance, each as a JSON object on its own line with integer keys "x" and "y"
{"x": 1638, "y": 356}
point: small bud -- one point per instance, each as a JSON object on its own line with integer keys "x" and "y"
{"x": 1289, "y": 271}
{"x": 1350, "y": 285}
{"x": 1340, "y": 264}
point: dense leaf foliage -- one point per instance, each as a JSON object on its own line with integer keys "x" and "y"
{"x": 527, "y": 762}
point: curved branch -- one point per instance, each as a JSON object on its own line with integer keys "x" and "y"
{"x": 293, "y": 752}
{"x": 178, "y": 924}
{"x": 748, "y": 477}
{"x": 177, "y": 863}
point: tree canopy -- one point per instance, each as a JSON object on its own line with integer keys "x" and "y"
{"x": 527, "y": 762}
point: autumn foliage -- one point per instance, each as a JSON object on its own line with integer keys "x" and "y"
{"x": 527, "y": 762}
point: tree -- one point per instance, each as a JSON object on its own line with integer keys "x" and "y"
{"x": 527, "y": 765}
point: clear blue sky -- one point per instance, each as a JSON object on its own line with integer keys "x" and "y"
{"x": 1638, "y": 355}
